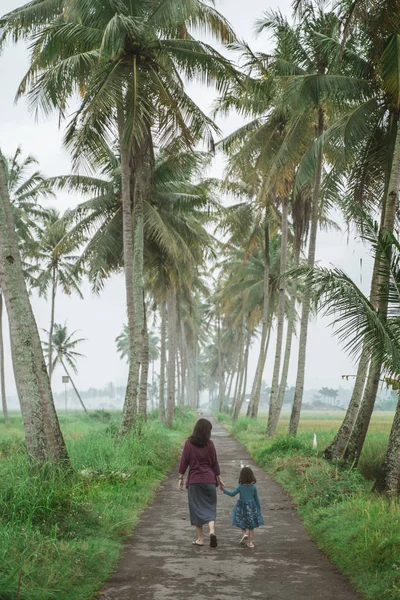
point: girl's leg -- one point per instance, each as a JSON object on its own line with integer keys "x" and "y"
{"x": 200, "y": 539}
{"x": 244, "y": 537}
{"x": 251, "y": 538}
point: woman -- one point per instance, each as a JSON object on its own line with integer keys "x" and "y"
{"x": 204, "y": 476}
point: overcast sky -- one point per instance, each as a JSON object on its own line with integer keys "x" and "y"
{"x": 99, "y": 319}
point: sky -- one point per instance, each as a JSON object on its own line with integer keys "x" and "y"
{"x": 99, "y": 319}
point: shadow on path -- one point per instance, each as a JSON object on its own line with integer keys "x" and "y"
{"x": 160, "y": 563}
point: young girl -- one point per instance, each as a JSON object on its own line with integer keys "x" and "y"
{"x": 247, "y": 512}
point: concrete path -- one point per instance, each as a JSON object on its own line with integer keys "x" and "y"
{"x": 160, "y": 563}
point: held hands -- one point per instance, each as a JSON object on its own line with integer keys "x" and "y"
{"x": 221, "y": 484}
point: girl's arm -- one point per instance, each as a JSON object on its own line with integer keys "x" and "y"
{"x": 257, "y": 499}
{"x": 230, "y": 492}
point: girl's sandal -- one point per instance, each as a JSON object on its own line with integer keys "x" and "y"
{"x": 243, "y": 540}
{"x": 250, "y": 545}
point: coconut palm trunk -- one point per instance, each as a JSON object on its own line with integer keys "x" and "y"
{"x": 43, "y": 436}
{"x": 388, "y": 479}
{"x": 228, "y": 394}
{"x": 243, "y": 379}
{"x": 52, "y": 316}
{"x": 306, "y": 303}
{"x": 171, "y": 356}
{"x": 241, "y": 351}
{"x": 338, "y": 445}
{"x": 163, "y": 351}
{"x": 220, "y": 370}
{"x": 256, "y": 389}
{"x": 2, "y": 370}
{"x": 274, "y": 408}
{"x": 252, "y": 410}
{"x": 144, "y": 370}
{"x": 74, "y": 386}
{"x": 288, "y": 346}
{"x": 361, "y": 425}
{"x": 185, "y": 365}
{"x": 130, "y": 403}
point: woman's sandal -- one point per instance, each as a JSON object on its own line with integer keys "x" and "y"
{"x": 213, "y": 541}
{"x": 196, "y": 543}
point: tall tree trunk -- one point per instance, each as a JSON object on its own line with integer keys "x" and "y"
{"x": 253, "y": 407}
{"x": 274, "y": 408}
{"x": 74, "y": 386}
{"x": 2, "y": 369}
{"x": 220, "y": 370}
{"x": 388, "y": 479}
{"x": 361, "y": 425}
{"x": 240, "y": 359}
{"x": 196, "y": 373}
{"x": 52, "y": 314}
{"x": 171, "y": 356}
{"x": 43, "y": 436}
{"x": 288, "y": 347}
{"x": 144, "y": 369}
{"x": 305, "y": 312}
{"x": 256, "y": 389}
{"x": 130, "y": 403}
{"x": 338, "y": 445}
{"x": 185, "y": 366}
{"x": 243, "y": 377}
{"x": 163, "y": 351}
{"x": 183, "y": 373}
{"x": 231, "y": 378}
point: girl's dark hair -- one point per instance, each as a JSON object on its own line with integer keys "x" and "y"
{"x": 246, "y": 476}
{"x": 201, "y": 433}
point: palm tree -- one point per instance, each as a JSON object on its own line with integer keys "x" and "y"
{"x": 358, "y": 319}
{"x": 65, "y": 353}
{"x": 57, "y": 267}
{"x": 25, "y": 188}
{"x": 129, "y": 63}
{"x": 44, "y": 439}
{"x": 122, "y": 342}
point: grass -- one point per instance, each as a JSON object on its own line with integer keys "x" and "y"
{"x": 359, "y": 531}
{"x": 61, "y": 534}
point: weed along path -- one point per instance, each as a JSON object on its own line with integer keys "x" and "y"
{"x": 160, "y": 563}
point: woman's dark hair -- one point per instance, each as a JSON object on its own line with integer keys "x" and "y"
{"x": 246, "y": 476}
{"x": 201, "y": 433}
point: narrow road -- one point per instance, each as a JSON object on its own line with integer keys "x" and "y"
{"x": 160, "y": 563}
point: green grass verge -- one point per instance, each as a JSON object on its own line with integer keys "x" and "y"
{"x": 359, "y": 531}
{"x": 61, "y": 535}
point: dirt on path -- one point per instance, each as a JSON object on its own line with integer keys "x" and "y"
{"x": 160, "y": 563}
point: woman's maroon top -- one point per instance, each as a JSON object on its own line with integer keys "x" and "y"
{"x": 202, "y": 462}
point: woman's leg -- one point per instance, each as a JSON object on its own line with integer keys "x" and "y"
{"x": 200, "y": 539}
{"x": 211, "y": 525}
{"x": 251, "y": 538}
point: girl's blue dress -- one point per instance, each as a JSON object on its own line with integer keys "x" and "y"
{"x": 247, "y": 511}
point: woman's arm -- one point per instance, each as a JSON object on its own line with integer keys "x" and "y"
{"x": 184, "y": 463}
{"x": 215, "y": 466}
{"x": 230, "y": 492}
